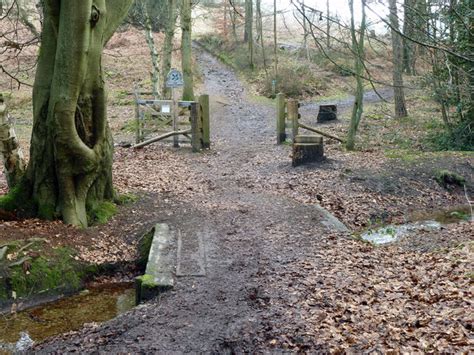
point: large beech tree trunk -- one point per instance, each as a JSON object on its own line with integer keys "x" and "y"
{"x": 70, "y": 167}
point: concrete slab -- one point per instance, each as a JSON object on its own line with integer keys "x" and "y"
{"x": 330, "y": 221}
{"x": 160, "y": 267}
{"x": 191, "y": 255}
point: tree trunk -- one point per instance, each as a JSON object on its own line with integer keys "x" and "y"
{"x": 233, "y": 20}
{"x": 248, "y": 21}
{"x": 155, "y": 74}
{"x": 260, "y": 34}
{"x": 409, "y": 47}
{"x": 399, "y": 94}
{"x": 328, "y": 26}
{"x": 13, "y": 161}
{"x": 248, "y": 34}
{"x": 225, "y": 20}
{"x": 167, "y": 55}
{"x": 29, "y": 17}
{"x": 275, "y": 38}
{"x": 186, "y": 51}
{"x": 359, "y": 52}
{"x": 70, "y": 167}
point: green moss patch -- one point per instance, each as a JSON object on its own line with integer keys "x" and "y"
{"x": 147, "y": 281}
{"x": 29, "y": 270}
{"x": 19, "y": 202}
{"x": 14, "y": 200}
{"x": 146, "y": 288}
{"x": 102, "y": 212}
{"x": 46, "y": 273}
{"x": 144, "y": 245}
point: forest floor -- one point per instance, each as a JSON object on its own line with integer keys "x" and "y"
{"x": 281, "y": 274}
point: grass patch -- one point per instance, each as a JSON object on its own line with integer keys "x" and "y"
{"x": 403, "y": 155}
{"x": 125, "y": 199}
{"x": 261, "y": 100}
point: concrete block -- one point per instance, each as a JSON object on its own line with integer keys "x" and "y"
{"x": 160, "y": 267}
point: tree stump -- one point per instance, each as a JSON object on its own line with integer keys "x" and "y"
{"x": 327, "y": 113}
{"x": 307, "y": 149}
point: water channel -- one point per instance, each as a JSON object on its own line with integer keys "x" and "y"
{"x": 95, "y": 304}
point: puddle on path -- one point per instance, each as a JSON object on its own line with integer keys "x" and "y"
{"x": 392, "y": 233}
{"x": 424, "y": 221}
{"x": 96, "y": 304}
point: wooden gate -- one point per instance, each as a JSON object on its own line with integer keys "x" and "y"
{"x": 168, "y": 112}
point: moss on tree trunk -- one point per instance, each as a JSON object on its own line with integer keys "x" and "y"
{"x": 70, "y": 168}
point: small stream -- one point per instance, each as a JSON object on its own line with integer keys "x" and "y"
{"x": 94, "y": 305}
{"x": 422, "y": 221}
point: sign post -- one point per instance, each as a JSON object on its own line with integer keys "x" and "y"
{"x": 174, "y": 80}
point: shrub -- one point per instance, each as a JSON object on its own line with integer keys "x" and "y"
{"x": 293, "y": 82}
{"x": 446, "y": 178}
{"x": 460, "y": 137}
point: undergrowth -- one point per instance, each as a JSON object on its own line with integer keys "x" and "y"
{"x": 459, "y": 138}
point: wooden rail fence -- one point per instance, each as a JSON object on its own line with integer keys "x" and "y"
{"x": 288, "y": 116}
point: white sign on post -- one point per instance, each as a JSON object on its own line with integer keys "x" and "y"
{"x": 166, "y": 108}
{"x": 174, "y": 79}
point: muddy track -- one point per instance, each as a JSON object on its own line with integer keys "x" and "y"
{"x": 237, "y": 219}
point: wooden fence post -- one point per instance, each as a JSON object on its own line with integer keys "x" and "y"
{"x": 204, "y": 103}
{"x": 196, "y": 127}
{"x": 139, "y": 133}
{"x": 293, "y": 117}
{"x": 175, "y": 117}
{"x": 280, "y": 124}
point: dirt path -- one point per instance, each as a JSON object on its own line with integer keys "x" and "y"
{"x": 202, "y": 313}
{"x": 370, "y": 96}
{"x": 279, "y": 273}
